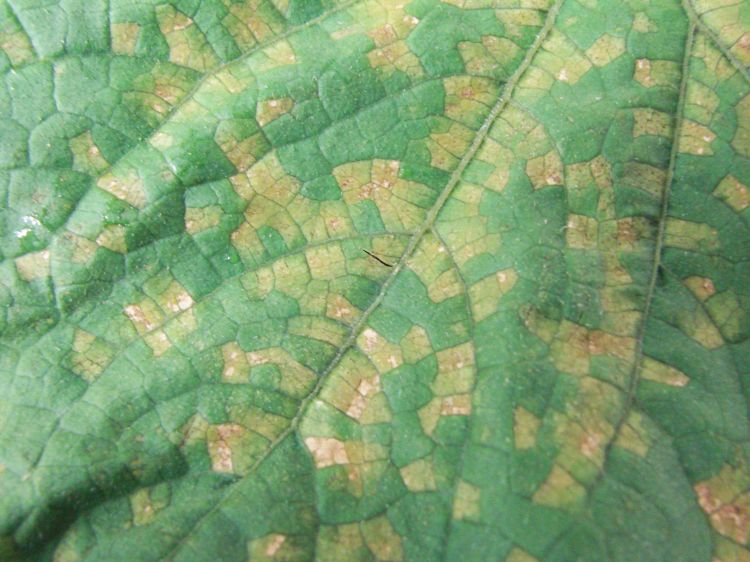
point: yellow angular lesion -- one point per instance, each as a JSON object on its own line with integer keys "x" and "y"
{"x": 726, "y": 550}
{"x": 187, "y": 44}
{"x": 15, "y": 43}
{"x": 296, "y": 380}
{"x": 582, "y": 232}
{"x": 689, "y": 235}
{"x": 87, "y": 157}
{"x": 246, "y": 24}
{"x": 91, "y": 355}
{"x": 605, "y": 49}
{"x": 447, "y": 144}
{"x": 419, "y": 476}
{"x": 271, "y": 109}
{"x": 385, "y": 355}
{"x": 525, "y": 428}
{"x": 519, "y": 555}
{"x": 112, "y": 237}
{"x": 485, "y": 295}
{"x": 455, "y": 371}
{"x": 275, "y": 55}
{"x": 241, "y": 147}
{"x": 546, "y": 170}
{"x": 125, "y": 185}
{"x": 236, "y": 366}
{"x": 466, "y": 502}
{"x": 468, "y": 98}
{"x": 727, "y": 313}
{"x": 701, "y": 287}
{"x": 354, "y": 389}
{"x": 698, "y": 325}
{"x": 326, "y": 262}
{"x": 725, "y": 498}
{"x": 382, "y": 540}
{"x": 35, "y": 265}
{"x": 696, "y": 138}
{"x": 415, "y": 345}
{"x": 741, "y": 140}
{"x": 560, "y": 59}
{"x": 633, "y": 435}
{"x": 651, "y": 73}
{"x": 489, "y": 56}
{"x": 273, "y": 547}
{"x": 656, "y": 371}
{"x": 734, "y": 193}
{"x": 124, "y": 37}
{"x": 648, "y": 121}
{"x": 222, "y": 441}
{"x": 147, "y": 502}
{"x": 559, "y": 490}
{"x": 400, "y": 202}
{"x": 395, "y": 56}
{"x": 198, "y": 219}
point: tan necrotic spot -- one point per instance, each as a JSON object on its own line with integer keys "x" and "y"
{"x": 124, "y": 37}
{"x": 187, "y": 44}
{"x": 726, "y": 500}
{"x": 545, "y": 171}
{"x": 127, "y": 187}
{"x": 327, "y": 451}
{"x": 734, "y": 193}
{"x": 221, "y": 441}
{"x": 271, "y": 109}
{"x": 35, "y": 265}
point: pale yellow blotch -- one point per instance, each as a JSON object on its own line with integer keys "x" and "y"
{"x": 741, "y": 140}
{"x": 242, "y": 151}
{"x": 145, "y": 315}
{"x": 415, "y": 345}
{"x": 395, "y": 56}
{"x": 297, "y": 379}
{"x": 275, "y": 55}
{"x": 726, "y": 500}
{"x": 16, "y": 45}
{"x": 385, "y": 355}
{"x": 270, "y": 547}
{"x": 326, "y": 262}
{"x": 648, "y": 121}
{"x": 419, "y": 476}
{"x": 35, "y": 265}
{"x": 525, "y": 428}
{"x": 187, "y": 44}
{"x": 696, "y": 138}
{"x": 124, "y": 37}
{"x": 87, "y": 157}
{"x": 734, "y": 193}
{"x": 91, "y": 355}
{"x": 271, "y": 109}
{"x": 175, "y": 298}
{"x": 485, "y": 295}
{"x": 198, "y": 219}
{"x": 546, "y": 170}
{"x": 488, "y": 56}
{"x": 633, "y": 436}
{"x": 455, "y": 371}
{"x": 518, "y": 555}
{"x": 339, "y": 308}
{"x": 222, "y": 439}
{"x": 446, "y": 146}
{"x": 80, "y": 249}
{"x": 466, "y": 502}
{"x": 662, "y": 373}
{"x": 128, "y": 188}
{"x": 499, "y": 157}
{"x": 159, "y": 342}
{"x": 112, "y": 237}
{"x": 456, "y": 405}
{"x": 690, "y": 235}
{"x": 581, "y": 232}
{"x": 605, "y": 49}
{"x": 728, "y": 551}
{"x": 562, "y": 59}
{"x": 146, "y": 503}
{"x": 246, "y": 24}
{"x": 697, "y": 325}
{"x": 701, "y": 287}
{"x": 327, "y": 451}
{"x": 650, "y": 73}
{"x": 642, "y": 24}
{"x": 559, "y": 490}
{"x": 236, "y": 366}
{"x": 382, "y": 539}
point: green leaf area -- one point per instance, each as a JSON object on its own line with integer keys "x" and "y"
{"x": 375, "y": 280}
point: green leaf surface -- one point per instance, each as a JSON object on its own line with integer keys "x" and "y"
{"x": 375, "y": 280}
